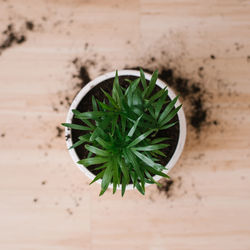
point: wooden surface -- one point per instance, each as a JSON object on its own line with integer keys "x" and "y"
{"x": 46, "y": 202}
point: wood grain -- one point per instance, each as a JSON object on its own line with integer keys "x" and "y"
{"x": 46, "y": 202}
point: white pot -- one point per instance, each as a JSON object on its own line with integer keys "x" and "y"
{"x": 89, "y": 86}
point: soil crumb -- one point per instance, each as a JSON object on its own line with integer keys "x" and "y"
{"x": 83, "y": 74}
{"x": 67, "y": 99}
{"x": 166, "y": 187}
{"x": 69, "y": 211}
{"x": 29, "y": 25}
{"x": 35, "y": 200}
{"x": 59, "y": 131}
{"x": 215, "y": 122}
{"x": 55, "y": 109}
{"x": 44, "y": 182}
{"x": 3, "y": 135}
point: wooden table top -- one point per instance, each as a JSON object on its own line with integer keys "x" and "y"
{"x": 46, "y": 202}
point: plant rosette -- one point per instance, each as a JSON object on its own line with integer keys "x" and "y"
{"x": 125, "y": 129}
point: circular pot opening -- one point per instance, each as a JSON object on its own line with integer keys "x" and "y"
{"x": 83, "y": 103}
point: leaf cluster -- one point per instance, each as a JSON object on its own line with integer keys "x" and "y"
{"x": 122, "y": 133}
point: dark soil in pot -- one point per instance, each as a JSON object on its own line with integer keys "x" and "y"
{"x": 86, "y": 105}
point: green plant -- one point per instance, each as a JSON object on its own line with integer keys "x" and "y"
{"x": 120, "y": 133}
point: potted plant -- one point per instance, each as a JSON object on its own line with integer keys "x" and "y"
{"x": 125, "y": 130}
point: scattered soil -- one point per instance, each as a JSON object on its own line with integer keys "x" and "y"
{"x": 3, "y": 135}
{"x": 11, "y": 36}
{"x": 55, "y": 109}
{"x": 69, "y": 211}
{"x": 59, "y": 131}
{"x": 82, "y": 75}
{"x": 86, "y": 105}
{"x": 248, "y": 59}
{"x": 44, "y": 182}
{"x": 215, "y": 122}
{"x": 166, "y": 187}
{"x": 212, "y": 57}
{"x": 67, "y": 137}
{"x": 200, "y": 72}
{"x": 199, "y": 115}
{"x": 29, "y": 25}
{"x": 238, "y": 46}
{"x": 67, "y": 101}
